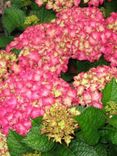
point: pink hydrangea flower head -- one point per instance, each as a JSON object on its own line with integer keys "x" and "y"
{"x": 86, "y": 28}
{"x": 27, "y": 94}
{"x": 77, "y": 32}
{"x": 90, "y": 84}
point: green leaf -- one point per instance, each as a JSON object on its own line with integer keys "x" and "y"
{"x": 15, "y": 145}
{"x": 63, "y": 150}
{"x": 13, "y": 18}
{"x": 16, "y": 3}
{"x": 109, "y": 133}
{"x": 113, "y": 121}
{"x": 4, "y": 40}
{"x": 110, "y": 92}
{"x": 60, "y": 150}
{"x": 104, "y": 132}
{"x": 113, "y": 136}
{"x": 43, "y": 14}
{"x": 112, "y": 150}
{"x": 82, "y": 149}
{"x": 36, "y": 121}
{"x": 21, "y": 3}
{"x": 90, "y": 120}
{"x": 100, "y": 150}
{"x": 38, "y": 142}
{"x": 48, "y": 154}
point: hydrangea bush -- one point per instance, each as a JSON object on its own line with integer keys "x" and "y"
{"x": 49, "y": 106}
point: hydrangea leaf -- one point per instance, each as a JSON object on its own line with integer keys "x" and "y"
{"x": 112, "y": 132}
{"x": 48, "y": 154}
{"x": 60, "y": 150}
{"x": 16, "y": 3}
{"x": 90, "y": 120}
{"x": 110, "y": 92}
{"x": 100, "y": 150}
{"x": 15, "y": 145}
{"x": 4, "y": 40}
{"x": 112, "y": 150}
{"x": 13, "y": 18}
{"x": 113, "y": 121}
{"x": 80, "y": 148}
{"x": 37, "y": 141}
{"x": 63, "y": 150}
{"x": 113, "y": 136}
{"x": 21, "y": 3}
{"x": 36, "y": 121}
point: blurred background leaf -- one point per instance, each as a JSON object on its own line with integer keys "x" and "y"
{"x": 13, "y": 18}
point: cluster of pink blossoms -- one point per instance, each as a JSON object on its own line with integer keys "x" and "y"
{"x": 77, "y": 32}
{"x": 27, "y": 94}
{"x": 90, "y": 84}
{"x": 80, "y": 33}
{"x": 58, "y": 5}
{"x": 35, "y": 83}
{"x": 47, "y": 41}
{"x": 87, "y": 31}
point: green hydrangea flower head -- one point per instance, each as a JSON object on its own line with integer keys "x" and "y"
{"x": 59, "y": 123}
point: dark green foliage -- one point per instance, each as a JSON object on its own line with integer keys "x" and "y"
{"x": 15, "y": 145}
{"x": 37, "y": 141}
{"x": 90, "y": 120}
{"x": 13, "y": 18}
{"x": 4, "y": 40}
{"x": 110, "y": 92}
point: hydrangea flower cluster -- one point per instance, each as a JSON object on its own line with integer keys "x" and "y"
{"x": 90, "y": 84}
{"x": 58, "y": 5}
{"x": 27, "y": 94}
{"x": 87, "y": 31}
{"x": 77, "y": 32}
{"x": 59, "y": 123}
{"x": 35, "y": 84}
{"x": 3, "y": 145}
